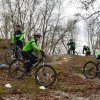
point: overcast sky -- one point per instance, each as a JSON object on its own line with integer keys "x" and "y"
{"x": 70, "y": 10}
{"x": 75, "y": 8}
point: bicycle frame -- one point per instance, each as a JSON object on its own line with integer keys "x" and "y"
{"x": 37, "y": 63}
{"x": 97, "y": 66}
{"x": 15, "y": 48}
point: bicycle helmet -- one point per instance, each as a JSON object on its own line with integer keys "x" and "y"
{"x": 37, "y": 35}
{"x": 85, "y": 46}
{"x": 18, "y": 26}
{"x": 71, "y": 40}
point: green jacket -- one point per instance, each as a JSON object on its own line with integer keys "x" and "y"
{"x": 86, "y": 49}
{"x": 18, "y": 36}
{"x": 71, "y": 44}
{"x": 31, "y": 46}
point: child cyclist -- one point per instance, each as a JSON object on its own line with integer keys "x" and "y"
{"x": 18, "y": 37}
{"x": 31, "y": 50}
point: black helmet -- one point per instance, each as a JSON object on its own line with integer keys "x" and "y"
{"x": 85, "y": 46}
{"x": 71, "y": 40}
{"x": 18, "y": 26}
{"x": 37, "y": 35}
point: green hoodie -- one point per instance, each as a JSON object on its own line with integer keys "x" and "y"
{"x": 18, "y": 36}
{"x": 71, "y": 44}
{"x": 31, "y": 45}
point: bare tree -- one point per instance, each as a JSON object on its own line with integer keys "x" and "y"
{"x": 38, "y": 16}
{"x": 93, "y": 34}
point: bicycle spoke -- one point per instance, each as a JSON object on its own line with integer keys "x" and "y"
{"x": 46, "y": 76}
{"x": 89, "y": 70}
{"x": 11, "y": 55}
{"x": 16, "y": 69}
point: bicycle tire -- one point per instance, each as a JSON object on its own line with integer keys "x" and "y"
{"x": 16, "y": 69}
{"x": 38, "y": 80}
{"x": 8, "y": 56}
{"x": 92, "y": 70}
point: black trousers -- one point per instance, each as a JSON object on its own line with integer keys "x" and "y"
{"x": 88, "y": 53}
{"x": 30, "y": 59}
{"x": 71, "y": 49}
{"x": 20, "y": 44}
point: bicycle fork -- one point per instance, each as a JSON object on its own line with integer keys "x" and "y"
{"x": 44, "y": 71}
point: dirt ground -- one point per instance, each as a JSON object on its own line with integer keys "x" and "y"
{"x": 70, "y": 85}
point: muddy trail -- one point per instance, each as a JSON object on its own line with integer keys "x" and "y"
{"x": 70, "y": 85}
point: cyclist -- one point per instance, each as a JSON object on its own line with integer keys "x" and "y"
{"x": 71, "y": 46}
{"x": 31, "y": 51}
{"x": 18, "y": 37}
{"x": 87, "y": 50}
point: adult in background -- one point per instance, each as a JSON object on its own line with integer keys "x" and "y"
{"x": 86, "y": 49}
{"x": 71, "y": 46}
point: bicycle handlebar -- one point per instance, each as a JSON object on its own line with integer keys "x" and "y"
{"x": 43, "y": 54}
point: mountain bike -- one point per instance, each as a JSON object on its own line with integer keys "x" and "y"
{"x": 12, "y": 53}
{"x": 45, "y": 75}
{"x": 91, "y": 69}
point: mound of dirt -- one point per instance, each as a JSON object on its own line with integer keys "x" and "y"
{"x": 70, "y": 85}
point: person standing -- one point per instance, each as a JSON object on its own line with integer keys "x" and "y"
{"x": 71, "y": 46}
{"x": 86, "y": 49}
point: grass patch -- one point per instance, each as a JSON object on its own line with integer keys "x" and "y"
{"x": 75, "y": 88}
{"x": 66, "y": 79}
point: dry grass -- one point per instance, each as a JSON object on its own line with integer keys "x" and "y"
{"x": 68, "y": 81}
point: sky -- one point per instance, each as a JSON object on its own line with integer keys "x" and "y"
{"x": 69, "y": 12}
{"x": 74, "y": 8}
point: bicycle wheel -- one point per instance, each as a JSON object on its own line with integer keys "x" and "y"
{"x": 45, "y": 75}
{"x": 16, "y": 69}
{"x": 89, "y": 70}
{"x": 10, "y": 56}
